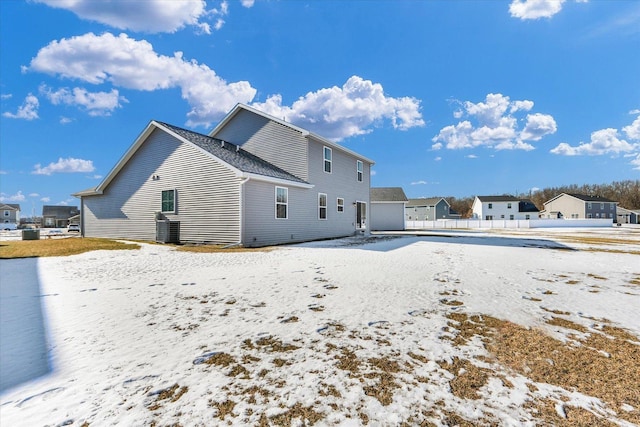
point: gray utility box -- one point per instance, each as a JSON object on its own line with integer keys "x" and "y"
{"x": 30, "y": 234}
{"x": 168, "y": 231}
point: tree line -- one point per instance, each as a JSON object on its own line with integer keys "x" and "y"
{"x": 626, "y": 193}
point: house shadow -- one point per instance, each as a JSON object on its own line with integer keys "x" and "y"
{"x": 386, "y": 242}
{"x": 24, "y": 354}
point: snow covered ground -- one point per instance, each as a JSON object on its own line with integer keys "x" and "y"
{"x": 343, "y": 332}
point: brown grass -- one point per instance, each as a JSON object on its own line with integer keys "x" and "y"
{"x": 58, "y": 247}
{"x": 468, "y": 378}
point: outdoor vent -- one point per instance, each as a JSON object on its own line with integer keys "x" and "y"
{"x": 168, "y": 231}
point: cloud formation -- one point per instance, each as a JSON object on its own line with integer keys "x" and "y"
{"x": 27, "y": 111}
{"x": 536, "y": 9}
{"x": 95, "y": 103}
{"x": 340, "y": 112}
{"x": 18, "y": 197}
{"x": 606, "y": 141}
{"x": 133, "y": 64}
{"x": 68, "y": 165}
{"x": 494, "y": 124}
{"x": 150, "y": 16}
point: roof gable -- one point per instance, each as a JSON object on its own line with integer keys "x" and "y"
{"x": 426, "y": 201}
{"x": 387, "y": 194}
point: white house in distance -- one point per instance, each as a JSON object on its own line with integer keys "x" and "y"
{"x": 387, "y": 208}
{"x": 579, "y": 206}
{"x": 503, "y": 207}
{"x": 255, "y": 180}
{"x": 10, "y": 215}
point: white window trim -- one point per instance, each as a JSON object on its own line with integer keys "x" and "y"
{"x": 286, "y": 203}
{"x": 339, "y": 205}
{"x": 325, "y": 160}
{"x": 326, "y": 211}
{"x": 360, "y": 170}
{"x": 174, "y": 202}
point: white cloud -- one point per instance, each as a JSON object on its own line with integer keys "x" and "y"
{"x": 471, "y": 156}
{"x": 152, "y": 16}
{"x": 45, "y": 199}
{"x": 6, "y": 96}
{"x": 636, "y": 162}
{"x": 340, "y": 112}
{"x": 604, "y": 141}
{"x": 133, "y": 64}
{"x": 494, "y": 124}
{"x": 27, "y": 111}
{"x": 34, "y": 195}
{"x": 247, "y": 3}
{"x": 437, "y": 159}
{"x": 96, "y": 103}
{"x": 3, "y": 172}
{"x": 419, "y": 182}
{"x": 68, "y": 165}
{"x": 633, "y": 130}
{"x": 65, "y": 120}
{"x": 536, "y": 9}
{"x": 18, "y": 197}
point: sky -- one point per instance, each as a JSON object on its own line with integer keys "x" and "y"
{"x": 449, "y": 98}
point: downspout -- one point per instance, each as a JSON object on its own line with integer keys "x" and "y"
{"x": 240, "y": 216}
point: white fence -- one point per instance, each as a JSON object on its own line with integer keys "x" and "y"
{"x": 504, "y": 223}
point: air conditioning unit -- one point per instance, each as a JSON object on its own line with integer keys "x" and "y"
{"x": 168, "y": 231}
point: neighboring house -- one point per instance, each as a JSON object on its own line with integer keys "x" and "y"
{"x": 429, "y": 209}
{"x": 579, "y": 206}
{"x": 627, "y": 216}
{"x": 10, "y": 214}
{"x": 255, "y": 180}
{"x": 387, "y": 208}
{"x": 58, "y": 216}
{"x": 503, "y": 207}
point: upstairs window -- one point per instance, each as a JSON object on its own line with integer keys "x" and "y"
{"x": 6, "y": 213}
{"x": 589, "y": 205}
{"x": 169, "y": 201}
{"x": 359, "y": 170}
{"x": 508, "y": 205}
{"x": 327, "y": 159}
{"x": 340, "y": 203}
{"x": 490, "y": 205}
{"x": 282, "y": 202}
{"x": 601, "y": 206}
{"x": 322, "y": 206}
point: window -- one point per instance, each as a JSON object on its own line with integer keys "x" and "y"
{"x": 589, "y": 215}
{"x": 359, "y": 170}
{"x": 282, "y": 202}
{"x": 340, "y": 204}
{"x": 169, "y": 201}
{"x": 327, "y": 159}
{"x": 511, "y": 217}
{"x": 501, "y": 216}
{"x": 508, "y": 205}
{"x": 589, "y": 205}
{"x": 527, "y": 216}
{"x": 6, "y": 213}
{"x": 490, "y": 205}
{"x": 322, "y": 206}
{"x": 601, "y": 206}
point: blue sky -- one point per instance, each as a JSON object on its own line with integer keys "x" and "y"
{"x": 450, "y": 98}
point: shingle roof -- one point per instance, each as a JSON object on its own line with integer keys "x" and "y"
{"x": 586, "y": 198}
{"x": 233, "y": 155}
{"x": 498, "y": 199}
{"x": 424, "y": 201}
{"x": 387, "y": 194}
{"x": 10, "y": 206}
{"x": 63, "y": 212}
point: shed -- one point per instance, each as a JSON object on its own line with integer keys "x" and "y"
{"x": 387, "y": 208}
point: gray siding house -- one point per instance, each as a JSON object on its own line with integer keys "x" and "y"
{"x": 429, "y": 209}
{"x": 10, "y": 213}
{"x": 627, "y": 216}
{"x": 58, "y": 216}
{"x": 387, "y": 208}
{"x": 254, "y": 180}
{"x": 579, "y": 206}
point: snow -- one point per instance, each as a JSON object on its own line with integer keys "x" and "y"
{"x": 98, "y": 337}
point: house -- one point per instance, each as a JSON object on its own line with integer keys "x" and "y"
{"x": 627, "y": 216}
{"x": 10, "y": 214}
{"x": 255, "y": 180}
{"x": 429, "y": 209}
{"x": 503, "y": 207}
{"x": 387, "y": 208}
{"x": 579, "y": 206}
{"x": 57, "y": 216}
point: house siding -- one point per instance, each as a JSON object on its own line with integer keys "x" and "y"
{"x": 260, "y": 226}
{"x": 573, "y": 208}
{"x": 278, "y": 144}
{"x": 207, "y": 195}
{"x": 387, "y": 216}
